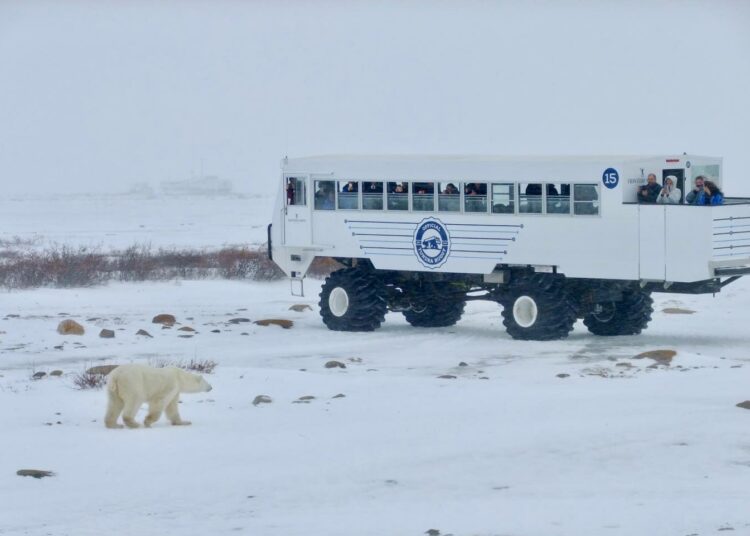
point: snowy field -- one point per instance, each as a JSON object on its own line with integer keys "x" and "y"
{"x": 118, "y": 221}
{"x": 573, "y": 437}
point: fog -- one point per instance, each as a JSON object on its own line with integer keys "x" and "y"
{"x": 96, "y": 96}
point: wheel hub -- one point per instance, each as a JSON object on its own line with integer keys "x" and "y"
{"x": 525, "y": 311}
{"x": 604, "y": 312}
{"x": 338, "y": 302}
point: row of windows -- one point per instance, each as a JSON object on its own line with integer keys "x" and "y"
{"x": 474, "y": 197}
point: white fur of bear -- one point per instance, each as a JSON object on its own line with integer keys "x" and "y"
{"x": 129, "y": 386}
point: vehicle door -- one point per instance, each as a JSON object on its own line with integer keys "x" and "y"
{"x": 297, "y": 224}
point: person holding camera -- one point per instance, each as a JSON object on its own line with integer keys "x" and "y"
{"x": 692, "y": 196}
{"x": 669, "y": 194}
{"x": 649, "y": 191}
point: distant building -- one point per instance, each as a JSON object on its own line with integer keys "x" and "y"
{"x": 141, "y": 189}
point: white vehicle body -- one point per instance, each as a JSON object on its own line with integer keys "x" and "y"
{"x": 614, "y": 238}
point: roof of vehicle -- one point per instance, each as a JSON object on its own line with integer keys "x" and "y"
{"x": 484, "y": 157}
{"x": 397, "y": 163}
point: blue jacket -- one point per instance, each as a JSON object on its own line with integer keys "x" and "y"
{"x": 703, "y": 199}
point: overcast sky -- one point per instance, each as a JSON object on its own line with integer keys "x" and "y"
{"x": 96, "y": 96}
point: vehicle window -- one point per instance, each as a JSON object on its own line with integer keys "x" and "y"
{"x": 502, "y": 198}
{"x": 295, "y": 191}
{"x": 530, "y": 198}
{"x": 398, "y": 196}
{"x": 325, "y": 193}
{"x": 449, "y": 197}
{"x": 475, "y": 197}
{"x": 372, "y": 196}
{"x": 558, "y": 198}
{"x": 711, "y": 171}
{"x": 348, "y": 195}
{"x": 586, "y": 199}
{"x": 423, "y": 196}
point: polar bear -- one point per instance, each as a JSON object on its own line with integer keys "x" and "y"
{"x": 129, "y": 386}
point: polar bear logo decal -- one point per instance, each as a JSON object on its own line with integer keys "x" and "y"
{"x": 431, "y": 243}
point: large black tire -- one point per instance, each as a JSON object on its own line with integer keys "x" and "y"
{"x": 535, "y": 308}
{"x": 352, "y": 299}
{"x": 435, "y": 311}
{"x": 629, "y": 316}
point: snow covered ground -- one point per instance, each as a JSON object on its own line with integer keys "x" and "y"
{"x": 119, "y": 221}
{"x": 572, "y": 437}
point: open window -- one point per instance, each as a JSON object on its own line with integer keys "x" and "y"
{"x": 372, "y": 195}
{"x": 586, "y": 199}
{"x": 398, "y": 196}
{"x": 295, "y": 191}
{"x": 325, "y": 195}
{"x": 475, "y": 197}
{"x": 449, "y": 197}
{"x": 530, "y": 197}
{"x": 503, "y": 201}
{"x": 348, "y": 195}
{"x": 558, "y": 197}
{"x": 423, "y": 196}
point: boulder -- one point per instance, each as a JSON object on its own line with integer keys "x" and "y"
{"x": 662, "y": 357}
{"x": 300, "y": 307}
{"x": 240, "y": 320}
{"x": 35, "y": 473}
{"x": 286, "y": 324}
{"x": 107, "y": 334}
{"x": 70, "y": 327}
{"x": 262, "y": 399}
{"x": 38, "y": 375}
{"x": 186, "y": 328}
{"x": 164, "y": 319}
{"x": 56, "y": 373}
{"x": 144, "y": 333}
{"x": 744, "y": 405}
{"x": 677, "y": 311}
{"x": 335, "y": 364}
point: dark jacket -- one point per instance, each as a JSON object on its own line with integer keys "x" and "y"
{"x": 651, "y": 195}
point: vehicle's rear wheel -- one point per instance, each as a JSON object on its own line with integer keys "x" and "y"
{"x": 435, "y": 309}
{"x": 352, "y": 299}
{"x": 628, "y": 316}
{"x": 535, "y": 308}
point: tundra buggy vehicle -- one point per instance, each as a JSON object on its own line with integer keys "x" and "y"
{"x": 551, "y": 239}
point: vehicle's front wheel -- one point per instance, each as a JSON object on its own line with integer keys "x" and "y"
{"x": 628, "y": 316}
{"x": 535, "y": 308}
{"x": 352, "y": 299}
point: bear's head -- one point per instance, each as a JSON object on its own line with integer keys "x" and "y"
{"x": 193, "y": 383}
